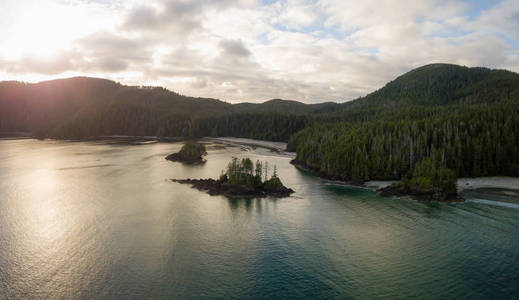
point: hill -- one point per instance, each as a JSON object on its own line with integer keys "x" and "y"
{"x": 464, "y": 121}
{"x": 442, "y": 84}
{"x": 84, "y": 106}
{"x": 440, "y": 108}
{"x": 287, "y": 106}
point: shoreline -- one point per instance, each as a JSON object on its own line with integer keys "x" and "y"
{"x": 277, "y": 147}
{"x": 30, "y": 135}
{"x": 337, "y": 179}
{"x": 417, "y": 194}
{"x": 464, "y": 184}
{"x": 382, "y": 187}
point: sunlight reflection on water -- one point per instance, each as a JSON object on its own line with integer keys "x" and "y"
{"x": 102, "y": 220}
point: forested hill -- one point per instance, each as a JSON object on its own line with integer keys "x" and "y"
{"x": 440, "y": 84}
{"x": 83, "y": 107}
{"x": 433, "y": 119}
{"x": 433, "y": 122}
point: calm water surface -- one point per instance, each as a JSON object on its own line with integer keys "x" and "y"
{"x": 101, "y": 220}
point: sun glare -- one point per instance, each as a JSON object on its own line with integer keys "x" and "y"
{"x": 43, "y": 30}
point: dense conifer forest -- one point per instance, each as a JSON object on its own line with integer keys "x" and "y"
{"x": 479, "y": 140}
{"x": 466, "y": 120}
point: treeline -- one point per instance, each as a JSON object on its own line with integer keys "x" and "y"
{"x": 131, "y": 121}
{"x": 464, "y": 120}
{"x": 477, "y": 140}
{"x": 89, "y": 107}
{"x": 263, "y": 126}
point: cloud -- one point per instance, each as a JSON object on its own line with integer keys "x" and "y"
{"x": 199, "y": 83}
{"x": 175, "y": 16}
{"x": 115, "y": 51}
{"x": 112, "y": 64}
{"x": 47, "y": 66}
{"x": 502, "y": 19}
{"x": 297, "y": 14}
{"x": 252, "y": 50}
{"x": 234, "y": 48}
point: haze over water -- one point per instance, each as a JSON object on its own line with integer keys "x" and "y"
{"x": 102, "y": 220}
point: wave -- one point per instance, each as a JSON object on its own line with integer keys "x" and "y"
{"x": 495, "y": 203}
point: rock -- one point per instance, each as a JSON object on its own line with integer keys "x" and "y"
{"x": 217, "y": 187}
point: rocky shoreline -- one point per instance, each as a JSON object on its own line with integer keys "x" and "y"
{"x": 394, "y": 190}
{"x": 217, "y": 187}
{"x": 314, "y": 170}
{"x": 400, "y": 190}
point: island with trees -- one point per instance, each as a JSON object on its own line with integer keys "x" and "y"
{"x": 242, "y": 179}
{"x": 191, "y": 153}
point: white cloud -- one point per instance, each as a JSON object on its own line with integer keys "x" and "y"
{"x": 297, "y": 14}
{"x": 248, "y": 51}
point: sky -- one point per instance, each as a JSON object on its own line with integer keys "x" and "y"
{"x": 252, "y": 50}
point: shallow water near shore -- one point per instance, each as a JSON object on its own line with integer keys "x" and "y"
{"x": 103, "y": 220}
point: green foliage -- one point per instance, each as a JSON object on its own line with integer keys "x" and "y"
{"x": 241, "y": 172}
{"x": 271, "y": 126}
{"x": 476, "y": 140}
{"x": 429, "y": 174}
{"x": 223, "y": 177}
{"x": 258, "y": 170}
{"x": 464, "y": 119}
{"x": 84, "y": 107}
{"x": 192, "y": 150}
{"x": 244, "y": 172}
{"x": 273, "y": 183}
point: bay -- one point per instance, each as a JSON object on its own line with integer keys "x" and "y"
{"x": 83, "y": 220}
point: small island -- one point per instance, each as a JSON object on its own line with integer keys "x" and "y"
{"x": 428, "y": 182}
{"x": 191, "y": 153}
{"x": 242, "y": 179}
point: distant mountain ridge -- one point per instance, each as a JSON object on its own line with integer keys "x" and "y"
{"x": 286, "y": 106}
{"x": 426, "y": 127}
{"x": 83, "y": 106}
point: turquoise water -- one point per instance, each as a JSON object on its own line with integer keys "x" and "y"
{"x": 82, "y": 220}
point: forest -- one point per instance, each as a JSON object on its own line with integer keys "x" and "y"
{"x": 481, "y": 140}
{"x": 464, "y": 119}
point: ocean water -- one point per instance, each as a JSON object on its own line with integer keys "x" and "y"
{"x": 101, "y": 220}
